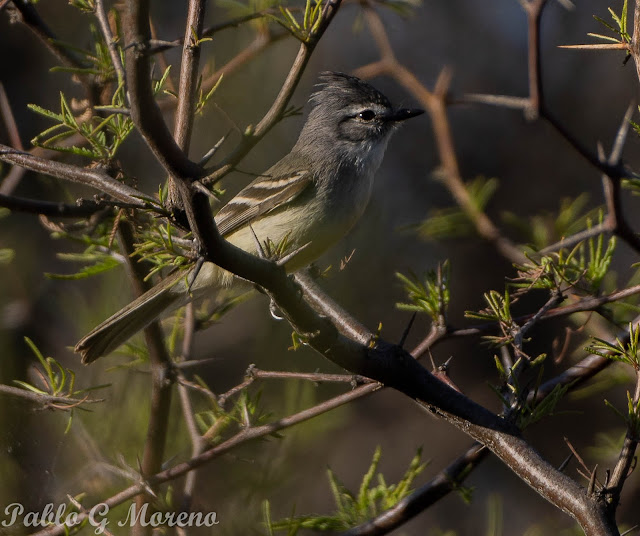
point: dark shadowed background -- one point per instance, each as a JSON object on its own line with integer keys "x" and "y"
{"x": 485, "y": 46}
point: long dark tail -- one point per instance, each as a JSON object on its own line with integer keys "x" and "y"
{"x": 119, "y": 327}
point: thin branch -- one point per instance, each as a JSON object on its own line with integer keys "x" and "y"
{"x": 503, "y": 101}
{"x": 144, "y": 110}
{"x": 29, "y": 16}
{"x": 242, "y": 437}
{"x": 575, "y": 239}
{"x": 279, "y": 105}
{"x": 46, "y": 400}
{"x": 446, "y": 481}
{"x": 103, "y": 20}
{"x": 10, "y": 182}
{"x": 187, "y": 86}
{"x": 435, "y": 102}
{"x": 162, "y": 377}
{"x": 83, "y": 209}
{"x": 534, "y": 10}
{"x": 161, "y": 46}
{"x": 623, "y": 466}
{"x": 634, "y": 46}
{"x": 189, "y": 74}
{"x": 9, "y": 120}
{"x": 95, "y": 178}
{"x": 316, "y": 377}
{"x": 598, "y": 46}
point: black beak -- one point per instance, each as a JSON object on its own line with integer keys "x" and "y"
{"x": 403, "y": 114}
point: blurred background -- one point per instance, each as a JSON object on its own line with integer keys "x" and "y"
{"x": 485, "y": 46}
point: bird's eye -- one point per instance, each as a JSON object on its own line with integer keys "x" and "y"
{"x": 367, "y": 115}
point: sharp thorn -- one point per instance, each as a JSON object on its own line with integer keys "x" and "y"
{"x": 259, "y": 247}
{"x": 196, "y": 270}
{"x": 284, "y": 260}
{"x": 403, "y": 339}
{"x": 565, "y": 462}
{"x": 592, "y": 481}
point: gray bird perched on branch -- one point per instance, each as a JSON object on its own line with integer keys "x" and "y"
{"x": 311, "y": 198}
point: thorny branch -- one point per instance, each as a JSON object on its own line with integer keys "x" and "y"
{"x": 436, "y": 104}
{"x": 47, "y": 401}
{"x": 247, "y": 434}
{"x": 385, "y": 362}
{"x": 627, "y": 457}
{"x": 162, "y": 376}
{"x": 534, "y": 106}
{"x": 277, "y": 109}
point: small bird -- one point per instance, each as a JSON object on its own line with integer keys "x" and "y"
{"x": 311, "y": 197}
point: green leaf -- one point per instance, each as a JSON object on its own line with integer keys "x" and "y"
{"x": 6, "y": 255}
{"x": 103, "y": 265}
{"x": 350, "y": 510}
{"x": 429, "y": 294}
{"x": 43, "y": 111}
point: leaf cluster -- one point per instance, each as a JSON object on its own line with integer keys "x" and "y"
{"x": 245, "y": 413}
{"x": 57, "y": 381}
{"x": 428, "y": 294}
{"x": 453, "y": 222}
{"x": 620, "y": 351}
{"x": 352, "y": 508}
{"x": 583, "y": 268}
{"x": 618, "y": 27}
{"x": 542, "y": 230}
{"x": 305, "y": 29}
{"x": 157, "y": 245}
{"x": 103, "y": 136}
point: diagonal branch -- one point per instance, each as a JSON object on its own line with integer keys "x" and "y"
{"x": 29, "y": 16}
{"x": 144, "y": 110}
{"x": 95, "y": 178}
{"x": 446, "y": 481}
{"x": 242, "y": 437}
{"x": 279, "y": 105}
{"x": 626, "y": 459}
{"x": 103, "y": 20}
{"x": 436, "y": 102}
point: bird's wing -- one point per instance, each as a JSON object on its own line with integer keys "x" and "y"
{"x": 261, "y": 196}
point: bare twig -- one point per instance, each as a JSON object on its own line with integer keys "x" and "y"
{"x": 30, "y": 17}
{"x": 242, "y": 437}
{"x": 435, "y": 102}
{"x": 48, "y": 401}
{"x": 278, "y": 107}
{"x": 187, "y": 86}
{"x": 95, "y": 178}
{"x": 9, "y": 119}
{"x": 103, "y": 20}
{"x": 144, "y": 110}
{"x": 162, "y": 377}
{"x": 316, "y": 377}
{"x": 634, "y": 46}
{"x": 626, "y": 458}
{"x": 10, "y": 181}
{"x": 598, "y": 46}
{"x": 534, "y": 9}
{"x": 83, "y": 209}
{"x": 160, "y": 46}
